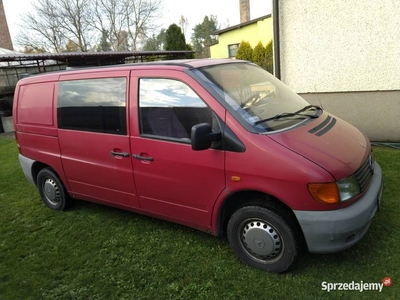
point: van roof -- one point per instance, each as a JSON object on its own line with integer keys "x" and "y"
{"x": 169, "y": 64}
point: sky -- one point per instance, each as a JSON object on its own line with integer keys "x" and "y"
{"x": 227, "y": 12}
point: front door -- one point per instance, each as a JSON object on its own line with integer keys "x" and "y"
{"x": 172, "y": 179}
{"x": 94, "y": 140}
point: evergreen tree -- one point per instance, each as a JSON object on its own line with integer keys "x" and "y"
{"x": 244, "y": 51}
{"x": 269, "y": 57}
{"x": 204, "y": 36}
{"x": 156, "y": 42}
{"x": 175, "y": 40}
{"x": 259, "y": 55}
{"x": 189, "y": 48}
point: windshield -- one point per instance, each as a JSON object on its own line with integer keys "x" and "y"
{"x": 258, "y": 97}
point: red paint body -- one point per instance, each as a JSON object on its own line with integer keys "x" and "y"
{"x": 180, "y": 185}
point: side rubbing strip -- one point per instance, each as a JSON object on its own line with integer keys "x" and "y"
{"x": 327, "y": 128}
{"x": 320, "y": 126}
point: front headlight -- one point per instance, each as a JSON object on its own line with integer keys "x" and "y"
{"x": 348, "y": 188}
{"x": 333, "y": 193}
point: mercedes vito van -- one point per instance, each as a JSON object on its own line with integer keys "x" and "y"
{"x": 218, "y": 145}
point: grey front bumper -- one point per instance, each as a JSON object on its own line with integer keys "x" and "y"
{"x": 337, "y": 230}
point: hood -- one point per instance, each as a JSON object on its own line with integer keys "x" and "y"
{"x": 330, "y": 142}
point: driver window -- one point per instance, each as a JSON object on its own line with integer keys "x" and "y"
{"x": 169, "y": 108}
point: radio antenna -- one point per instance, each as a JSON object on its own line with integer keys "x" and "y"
{"x": 319, "y": 100}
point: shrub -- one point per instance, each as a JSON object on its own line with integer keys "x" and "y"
{"x": 244, "y": 51}
{"x": 190, "y": 48}
{"x": 269, "y": 56}
{"x": 175, "y": 40}
{"x": 259, "y": 55}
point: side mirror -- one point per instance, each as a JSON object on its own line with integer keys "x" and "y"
{"x": 202, "y": 136}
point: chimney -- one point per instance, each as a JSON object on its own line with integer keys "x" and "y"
{"x": 244, "y": 11}
{"x": 5, "y": 38}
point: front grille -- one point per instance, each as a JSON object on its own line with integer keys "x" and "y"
{"x": 365, "y": 172}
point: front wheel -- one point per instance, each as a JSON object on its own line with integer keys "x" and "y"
{"x": 52, "y": 190}
{"x": 263, "y": 239}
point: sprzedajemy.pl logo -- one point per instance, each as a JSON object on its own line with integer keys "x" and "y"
{"x": 356, "y": 286}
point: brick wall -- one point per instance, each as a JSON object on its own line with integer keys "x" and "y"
{"x": 244, "y": 11}
{"x": 5, "y": 38}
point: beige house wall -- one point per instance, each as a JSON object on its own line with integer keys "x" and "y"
{"x": 376, "y": 113}
{"x": 346, "y": 55}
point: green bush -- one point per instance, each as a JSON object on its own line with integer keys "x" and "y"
{"x": 244, "y": 51}
{"x": 269, "y": 56}
{"x": 263, "y": 56}
{"x": 190, "y": 48}
{"x": 259, "y": 55}
{"x": 175, "y": 40}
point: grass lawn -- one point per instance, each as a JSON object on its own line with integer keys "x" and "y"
{"x": 96, "y": 252}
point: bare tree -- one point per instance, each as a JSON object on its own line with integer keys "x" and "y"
{"x": 56, "y": 25}
{"x": 75, "y": 18}
{"x": 110, "y": 16}
{"x": 142, "y": 16}
{"x": 126, "y": 21}
{"x": 42, "y": 28}
{"x": 184, "y": 24}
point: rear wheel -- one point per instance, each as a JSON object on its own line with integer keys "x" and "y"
{"x": 52, "y": 190}
{"x": 263, "y": 239}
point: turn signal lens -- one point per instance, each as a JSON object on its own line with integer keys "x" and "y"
{"x": 326, "y": 193}
{"x": 236, "y": 178}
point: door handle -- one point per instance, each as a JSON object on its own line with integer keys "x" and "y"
{"x": 123, "y": 154}
{"x": 137, "y": 156}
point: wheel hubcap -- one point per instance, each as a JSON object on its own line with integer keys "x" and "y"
{"x": 51, "y": 191}
{"x": 261, "y": 239}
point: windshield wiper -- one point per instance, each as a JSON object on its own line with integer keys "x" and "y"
{"x": 307, "y": 107}
{"x": 296, "y": 113}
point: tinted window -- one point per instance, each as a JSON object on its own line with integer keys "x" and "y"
{"x": 170, "y": 108}
{"x": 97, "y": 105}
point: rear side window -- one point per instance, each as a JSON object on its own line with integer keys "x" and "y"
{"x": 97, "y": 105}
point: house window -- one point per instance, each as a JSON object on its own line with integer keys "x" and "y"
{"x": 232, "y": 50}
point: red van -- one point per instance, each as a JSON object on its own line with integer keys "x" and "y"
{"x": 217, "y": 145}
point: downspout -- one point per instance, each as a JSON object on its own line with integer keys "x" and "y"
{"x": 277, "y": 53}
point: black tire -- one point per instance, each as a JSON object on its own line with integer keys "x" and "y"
{"x": 52, "y": 190}
{"x": 263, "y": 239}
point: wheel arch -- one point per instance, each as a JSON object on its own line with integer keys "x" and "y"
{"x": 38, "y": 166}
{"x": 51, "y": 188}
{"x": 250, "y": 197}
